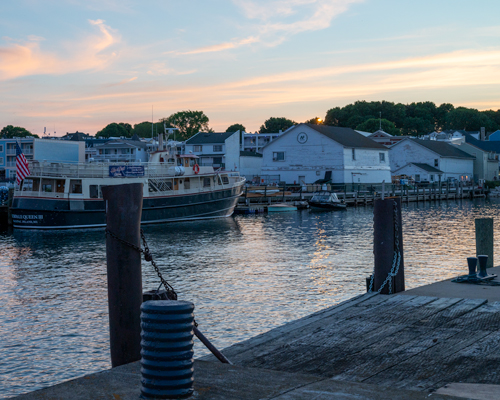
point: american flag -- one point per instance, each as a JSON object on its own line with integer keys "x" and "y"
{"x": 22, "y": 170}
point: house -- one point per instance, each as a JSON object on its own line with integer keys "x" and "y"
{"x": 37, "y": 149}
{"x": 307, "y": 153}
{"x": 495, "y": 136}
{"x": 216, "y": 149}
{"x": 420, "y": 172}
{"x": 447, "y": 158}
{"x": 385, "y": 138}
{"x": 121, "y": 150}
{"x": 255, "y": 142}
{"x": 486, "y": 155}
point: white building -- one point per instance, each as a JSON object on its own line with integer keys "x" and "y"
{"x": 420, "y": 172}
{"x": 122, "y": 150}
{"x": 255, "y": 142}
{"x": 307, "y": 153}
{"x": 215, "y": 149}
{"x": 447, "y": 158}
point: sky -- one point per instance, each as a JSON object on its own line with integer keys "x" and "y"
{"x": 70, "y": 65}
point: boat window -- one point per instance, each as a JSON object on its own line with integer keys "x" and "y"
{"x": 47, "y": 185}
{"x": 75, "y": 186}
{"x": 187, "y": 183}
{"x": 31, "y": 185}
{"x": 225, "y": 180}
{"x": 94, "y": 191}
{"x": 206, "y": 182}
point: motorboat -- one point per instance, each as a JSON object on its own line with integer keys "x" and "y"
{"x": 325, "y": 200}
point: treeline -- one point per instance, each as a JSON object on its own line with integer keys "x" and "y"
{"x": 411, "y": 119}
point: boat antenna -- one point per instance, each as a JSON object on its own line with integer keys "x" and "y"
{"x": 151, "y": 122}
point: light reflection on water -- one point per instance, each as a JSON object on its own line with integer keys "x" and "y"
{"x": 245, "y": 275}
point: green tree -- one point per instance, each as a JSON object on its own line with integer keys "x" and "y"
{"x": 10, "y": 132}
{"x": 128, "y": 128}
{"x": 373, "y": 124}
{"x": 188, "y": 122}
{"x": 112, "y": 130}
{"x": 441, "y": 112}
{"x": 468, "y": 119}
{"x": 274, "y": 124}
{"x": 415, "y": 126}
{"x": 143, "y": 129}
{"x": 236, "y": 127}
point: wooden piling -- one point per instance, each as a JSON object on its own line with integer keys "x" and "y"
{"x": 123, "y": 219}
{"x": 385, "y": 220}
{"x": 484, "y": 239}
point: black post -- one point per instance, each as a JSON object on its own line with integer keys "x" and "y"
{"x": 387, "y": 222}
{"x": 123, "y": 219}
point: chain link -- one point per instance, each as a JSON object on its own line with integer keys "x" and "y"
{"x": 171, "y": 294}
{"x": 396, "y": 260}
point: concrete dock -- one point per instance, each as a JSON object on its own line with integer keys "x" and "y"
{"x": 440, "y": 341}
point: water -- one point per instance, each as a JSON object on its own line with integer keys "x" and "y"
{"x": 245, "y": 275}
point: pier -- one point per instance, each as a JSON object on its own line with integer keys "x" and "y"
{"x": 423, "y": 341}
{"x": 256, "y": 198}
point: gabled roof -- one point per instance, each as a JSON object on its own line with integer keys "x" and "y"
{"x": 209, "y": 137}
{"x": 428, "y": 168}
{"x": 493, "y": 146}
{"x": 347, "y": 137}
{"x": 380, "y": 133}
{"x": 442, "y": 148}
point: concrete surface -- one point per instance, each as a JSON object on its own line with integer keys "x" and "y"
{"x": 447, "y": 288}
{"x": 217, "y": 381}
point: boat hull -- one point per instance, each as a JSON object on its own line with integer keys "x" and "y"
{"x": 326, "y": 207}
{"x": 50, "y": 213}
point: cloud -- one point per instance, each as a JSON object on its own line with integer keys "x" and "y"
{"x": 280, "y": 19}
{"x": 28, "y": 58}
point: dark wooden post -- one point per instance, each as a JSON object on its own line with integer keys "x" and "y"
{"x": 484, "y": 239}
{"x": 123, "y": 219}
{"x": 385, "y": 220}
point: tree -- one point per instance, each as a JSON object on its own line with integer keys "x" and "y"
{"x": 128, "y": 128}
{"x": 373, "y": 124}
{"x": 315, "y": 121}
{"x": 10, "y": 132}
{"x": 112, "y": 130}
{"x": 143, "y": 129}
{"x": 236, "y": 127}
{"x": 188, "y": 122}
{"x": 468, "y": 119}
{"x": 274, "y": 124}
{"x": 415, "y": 126}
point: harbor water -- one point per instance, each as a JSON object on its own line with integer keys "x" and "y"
{"x": 245, "y": 275}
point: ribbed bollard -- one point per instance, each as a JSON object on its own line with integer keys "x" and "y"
{"x": 167, "y": 349}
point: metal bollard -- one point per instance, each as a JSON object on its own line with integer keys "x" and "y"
{"x": 167, "y": 349}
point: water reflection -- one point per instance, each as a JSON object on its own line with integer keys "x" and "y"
{"x": 245, "y": 275}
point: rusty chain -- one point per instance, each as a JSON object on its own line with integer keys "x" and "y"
{"x": 171, "y": 294}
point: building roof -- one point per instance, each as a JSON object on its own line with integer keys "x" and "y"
{"x": 249, "y": 154}
{"x": 209, "y": 137}
{"x": 121, "y": 143}
{"x": 442, "y": 148}
{"x": 493, "y": 146}
{"x": 347, "y": 137}
{"x": 428, "y": 168}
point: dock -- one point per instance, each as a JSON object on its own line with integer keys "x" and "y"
{"x": 423, "y": 342}
{"x": 255, "y": 197}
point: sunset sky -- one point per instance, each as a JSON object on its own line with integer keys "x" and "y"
{"x": 79, "y": 65}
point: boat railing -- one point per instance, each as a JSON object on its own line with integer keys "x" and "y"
{"x": 94, "y": 170}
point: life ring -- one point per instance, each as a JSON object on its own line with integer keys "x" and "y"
{"x": 196, "y": 168}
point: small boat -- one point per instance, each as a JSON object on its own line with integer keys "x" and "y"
{"x": 281, "y": 207}
{"x": 325, "y": 200}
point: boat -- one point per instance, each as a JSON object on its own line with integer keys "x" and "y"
{"x": 175, "y": 188}
{"x": 325, "y": 200}
{"x": 281, "y": 207}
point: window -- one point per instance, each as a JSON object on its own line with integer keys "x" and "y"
{"x": 47, "y": 185}
{"x": 197, "y": 148}
{"x": 75, "y": 186}
{"x": 1, "y": 148}
{"x": 353, "y": 154}
{"x": 218, "y": 147}
{"x": 381, "y": 157}
{"x": 187, "y": 183}
{"x": 217, "y": 160}
{"x": 417, "y": 178}
{"x": 279, "y": 156}
{"x": 206, "y": 182}
{"x": 225, "y": 180}
{"x": 431, "y": 177}
{"x": 1, "y": 160}
{"x": 436, "y": 162}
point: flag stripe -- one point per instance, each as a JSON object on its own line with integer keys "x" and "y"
{"x": 22, "y": 169}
